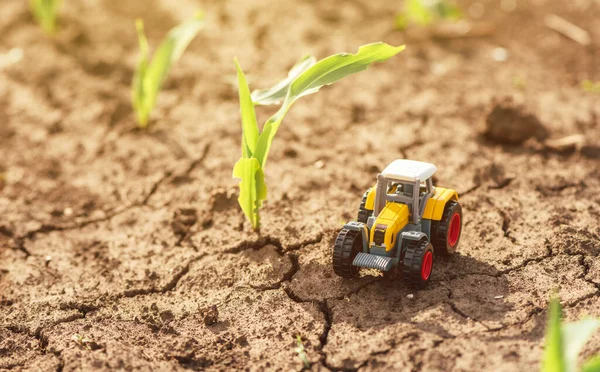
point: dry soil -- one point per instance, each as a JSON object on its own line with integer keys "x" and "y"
{"x": 122, "y": 248}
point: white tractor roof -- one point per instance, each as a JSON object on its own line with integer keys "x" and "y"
{"x": 408, "y": 170}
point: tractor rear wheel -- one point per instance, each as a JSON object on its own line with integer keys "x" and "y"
{"x": 417, "y": 264}
{"x": 363, "y": 212}
{"x": 347, "y": 245}
{"x": 445, "y": 233}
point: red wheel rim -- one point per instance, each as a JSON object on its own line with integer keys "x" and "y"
{"x": 426, "y": 265}
{"x": 454, "y": 230}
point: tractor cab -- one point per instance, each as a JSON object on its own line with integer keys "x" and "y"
{"x": 407, "y": 182}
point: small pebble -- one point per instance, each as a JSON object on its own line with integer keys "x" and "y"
{"x": 68, "y": 211}
{"x": 498, "y": 297}
{"x": 410, "y": 295}
{"x": 319, "y": 164}
{"x": 499, "y": 54}
{"x": 13, "y": 56}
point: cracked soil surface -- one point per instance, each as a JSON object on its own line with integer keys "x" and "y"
{"x": 133, "y": 240}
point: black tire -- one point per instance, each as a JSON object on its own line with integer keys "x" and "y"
{"x": 445, "y": 233}
{"x": 363, "y": 212}
{"x": 417, "y": 264}
{"x": 347, "y": 245}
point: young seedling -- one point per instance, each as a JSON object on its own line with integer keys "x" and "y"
{"x": 81, "y": 341}
{"x": 150, "y": 74}
{"x": 306, "y": 77}
{"x": 45, "y": 13}
{"x": 565, "y": 341}
{"x": 426, "y": 12}
{"x": 591, "y": 87}
{"x": 301, "y": 352}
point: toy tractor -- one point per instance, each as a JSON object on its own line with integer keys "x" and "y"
{"x": 403, "y": 223}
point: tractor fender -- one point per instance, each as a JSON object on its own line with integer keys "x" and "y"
{"x": 362, "y": 227}
{"x": 407, "y": 236}
{"x": 370, "y": 202}
{"x": 434, "y": 209}
{"x": 413, "y": 235}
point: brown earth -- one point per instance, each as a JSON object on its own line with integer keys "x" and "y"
{"x": 133, "y": 240}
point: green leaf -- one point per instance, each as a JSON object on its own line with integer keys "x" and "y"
{"x": 553, "y": 360}
{"x": 150, "y": 75}
{"x": 592, "y": 365}
{"x": 45, "y": 13}
{"x": 425, "y": 12}
{"x": 590, "y": 86}
{"x": 302, "y": 352}
{"x": 418, "y": 12}
{"x": 574, "y": 336}
{"x": 277, "y": 93}
{"x": 324, "y": 72}
{"x": 447, "y": 10}
{"x": 249, "y": 126}
{"x": 252, "y": 188}
{"x": 137, "y": 87}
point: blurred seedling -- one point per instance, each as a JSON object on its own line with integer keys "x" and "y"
{"x": 565, "y": 341}
{"x": 301, "y": 352}
{"x": 519, "y": 82}
{"x": 306, "y": 77}
{"x": 591, "y": 87}
{"x": 82, "y": 341}
{"x": 426, "y": 12}
{"x": 45, "y": 13}
{"x": 150, "y": 73}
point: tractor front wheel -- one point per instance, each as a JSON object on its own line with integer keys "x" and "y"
{"x": 347, "y": 245}
{"x": 445, "y": 233}
{"x": 417, "y": 264}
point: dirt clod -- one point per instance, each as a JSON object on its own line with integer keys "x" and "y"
{"x": 222, "y": 200}
{"x": 210, "y": 315}
{"x": 509, "y": 123}
{"x": 183, "y": 219}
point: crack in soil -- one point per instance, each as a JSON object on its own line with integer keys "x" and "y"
{"x": 169, "y": 175}
{"x": 84, "y": 309}
{"x": 42, "y": 343}
{"x": 154, "y": 188}
{"x": 87, "y": 307}
{"x": 469, "y": 190}
{"x": 323, "y": 305}
{"x": 167, "y": 287}
{"x": 287, "y": 276}
{"x": 586, "y": 271}
{"x": 416, "y": 143}
{"x": 458, "y": 311}
{"x": 262, "y": 241}
{"x": 502, "y": 184}
{"x": 18, "y": 243}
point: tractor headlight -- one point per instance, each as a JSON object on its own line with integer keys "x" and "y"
{"x": 379, "y": 234}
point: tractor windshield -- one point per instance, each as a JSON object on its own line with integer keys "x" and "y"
{"x": 400, "y": 192}
{"x": 412, "y": 193}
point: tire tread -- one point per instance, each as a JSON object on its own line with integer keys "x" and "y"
{"x": 411, "y": 265}
{"x": 344, "y": 252}
{"x": 439, "y": 229}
